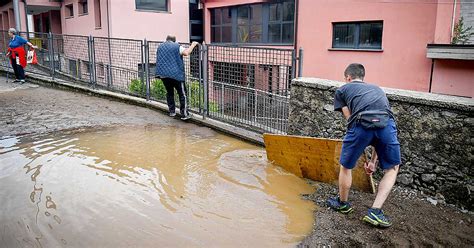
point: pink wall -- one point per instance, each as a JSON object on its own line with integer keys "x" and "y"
{"x": 127, "y": 22}
{"x": 453, "y": 77}
{"x": 407, "y": 29}
{"x": 444, "y": 17}
{"x": 83, "y": 24}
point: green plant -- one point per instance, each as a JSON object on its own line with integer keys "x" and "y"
{"x": 158, "y": 90}
{"x": 137, "y": 86}
{"x": 195, "y": 91}
{"x": 213, "y": 107}
{"x": 461, "y": 34}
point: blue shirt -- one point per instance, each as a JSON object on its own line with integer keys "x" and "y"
{"x": 360, "y": 96}
{"x": 17, "y": 41}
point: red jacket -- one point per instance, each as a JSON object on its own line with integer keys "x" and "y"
{"x": 21, "y": 54}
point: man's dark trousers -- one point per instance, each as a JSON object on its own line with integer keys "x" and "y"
{"x": 170, "y": 85}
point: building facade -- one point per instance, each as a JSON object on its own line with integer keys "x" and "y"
{"x": 132, "y": 19}
{"x": 389, "y": 37}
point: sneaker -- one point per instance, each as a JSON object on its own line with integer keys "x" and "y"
{"x": 22, "y": 81}
{"x": 376, "y": 217}
{"x": 186, "y": 117}
{"x": 336, "y": 204}
{"x": 172, "y": 114}
{"x": 15, "y": 81}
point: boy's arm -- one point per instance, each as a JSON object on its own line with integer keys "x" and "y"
{"x": 346, "y": 112}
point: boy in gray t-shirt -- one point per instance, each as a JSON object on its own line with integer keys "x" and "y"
{"x": 351, "y": 99}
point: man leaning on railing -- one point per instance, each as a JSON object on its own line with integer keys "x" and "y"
{"x": 170, "y": 69}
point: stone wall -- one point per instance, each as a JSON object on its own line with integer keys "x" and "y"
{"x": 435, "y": 133}
{"x": 467, "y": 12}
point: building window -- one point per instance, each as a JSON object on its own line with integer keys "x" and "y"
{"x": 255, "y": 23}
{"x": 281, "y": 22}
{"x": 249, "y": 23}
{"x": 221, "y": 25}
{"x": 358, "y": 35}
{"x": 69, "y": 10}
{"x": 97, "y": 14}
{"x": 83, "y": 8}
{"x": 159, "y": 5}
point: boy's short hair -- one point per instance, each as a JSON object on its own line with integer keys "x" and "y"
{"x": 355, "y": 70}
{"x": 171, "y": 38}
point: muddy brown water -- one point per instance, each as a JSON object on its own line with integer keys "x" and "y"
{"x": 146, "y": 186}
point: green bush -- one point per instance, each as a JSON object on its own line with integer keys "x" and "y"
{"x": 137, "y": 86}
{"x": 213, "y": 107}
{"x": 158, "y": 92}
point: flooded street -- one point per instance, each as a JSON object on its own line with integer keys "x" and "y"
{"x": 146, "y": 186}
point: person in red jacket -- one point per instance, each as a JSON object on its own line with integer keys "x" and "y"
{"x": 17, "y": 54}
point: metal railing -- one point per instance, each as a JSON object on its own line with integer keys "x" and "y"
{"x": 244, "y": 86}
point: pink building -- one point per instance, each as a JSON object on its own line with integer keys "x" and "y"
{"x": 396, "y": 40}
{"x": 133, "y": 19}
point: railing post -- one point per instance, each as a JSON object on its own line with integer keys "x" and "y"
{"x": 109, "y": 77}
{"x": 300, "y": 63}
{"x": 200, "y": 93}
{"x": 93, "y": 63}
{"x": 146, "y": 69}
{"x": 205, "y": 82}
{"x": 255, "y": 104}
{"x": 51, "y": 54}
{"x": 89, "y": 53}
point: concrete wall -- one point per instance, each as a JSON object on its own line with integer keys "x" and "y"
{"x": 435, "y": 133}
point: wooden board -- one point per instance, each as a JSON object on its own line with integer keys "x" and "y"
{"x": 314, "y": 158}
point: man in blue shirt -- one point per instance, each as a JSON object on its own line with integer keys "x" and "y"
{"x": 355, "y": 100}
{"x": 170, "y": 69}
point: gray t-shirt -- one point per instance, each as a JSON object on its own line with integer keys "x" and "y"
{"x": 359, "y": 96}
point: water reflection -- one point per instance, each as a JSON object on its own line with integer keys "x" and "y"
{"x": 147, "y": 186}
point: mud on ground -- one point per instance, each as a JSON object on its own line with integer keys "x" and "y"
{"x": 416, "y": 222}
{"x": 31, "y": 109}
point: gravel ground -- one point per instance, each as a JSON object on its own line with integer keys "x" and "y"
{"x": 417, "y": 221}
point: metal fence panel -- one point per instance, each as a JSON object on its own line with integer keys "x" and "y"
{"x": 119, "y": 65}
{"x": 43, "y": 53}
{"x": 250, "y": 86}
{"x": 4, "y": 39}
{"x": 71, "y": 57}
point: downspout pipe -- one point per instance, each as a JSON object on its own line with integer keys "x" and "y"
{"x": 16, "y": 13}
{"x": 297, "y": 7}
{"x": 454, "y": 19}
